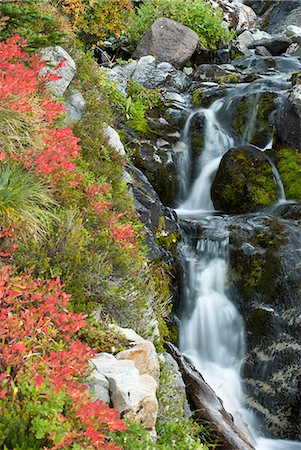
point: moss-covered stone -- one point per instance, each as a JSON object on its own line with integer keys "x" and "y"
{"x": 244, "y": 181}
{"x": 230, "y": 78}
{"x": 289, "y": 166}
{"x": 261, "y": 106}
{"x": 196, "y": 97}
{"x": 296, "y": 78}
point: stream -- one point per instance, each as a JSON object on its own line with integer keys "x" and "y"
{"x": 212, "y": 331}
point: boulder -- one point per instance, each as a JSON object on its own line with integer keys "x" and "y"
{"x": 276, "y": 45}
{"x": 145, "y": 358}
{"x": 60, "y": 63}
{"x": 224, "y": 73}
{"x": 262, "y": 249}
{"x": 245, "y": 39}
{"x": 151, "y": 73}
{"x": 244, "y": 181}
{"x": 131, "y": 393}
{"x": 168, "y": 41}
{"x": 75, "y": 105}
{"x": 288, "y": 119}
{"x": 238, "y": 16}
{"x": 294, "y": 33}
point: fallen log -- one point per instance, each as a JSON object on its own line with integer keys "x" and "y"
{"x": 207, "y": 406}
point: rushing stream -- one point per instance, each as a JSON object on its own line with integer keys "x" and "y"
{"x": 212, "y": 333}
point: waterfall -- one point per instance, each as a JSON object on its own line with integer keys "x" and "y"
{"x": 212, "y": 333}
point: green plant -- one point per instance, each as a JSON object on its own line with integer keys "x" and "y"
{"x": 30, "y": 19}
{"x": 289, "y": 166}
{"x": 198, "y": 15}
{"x": 98, "y": 20}
{"x": 25, "y": 201}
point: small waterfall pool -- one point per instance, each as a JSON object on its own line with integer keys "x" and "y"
{"x": 212, "y": 332}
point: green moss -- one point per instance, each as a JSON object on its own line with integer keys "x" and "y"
{"x": 196, "y": 98}
{"x": 262, "y": 105}
{"x": 249, "y": 186}
{"x": 230, "y": 78}
{"x": 296, "y": 78}
{"x": 289, "y": 166}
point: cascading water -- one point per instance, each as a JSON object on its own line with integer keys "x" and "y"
{"x": 212, "y": 330}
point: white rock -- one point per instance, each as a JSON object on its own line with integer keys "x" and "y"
{"x": 54, "y": 56}
{"x": 130, "y": 392}
{"x": 113, "y": 139}
{"x": 75, "y": 105}
{"x": 145, "y": 358}
{"x": 131, "y": 336}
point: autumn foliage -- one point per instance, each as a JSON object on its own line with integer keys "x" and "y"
{"x": 99, "y": 19}
{"x": 43, "y": 366}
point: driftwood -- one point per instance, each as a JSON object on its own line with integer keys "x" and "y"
{"x": 207, "y": 405}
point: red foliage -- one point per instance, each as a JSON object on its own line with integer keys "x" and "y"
{"x": 38, "y": 335}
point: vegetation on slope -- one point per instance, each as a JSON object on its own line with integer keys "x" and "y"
{"x": 70, "y": 240}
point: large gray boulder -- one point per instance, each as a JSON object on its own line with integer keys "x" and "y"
{"x": 168, "y": 41}
{"x": 60, "y": 63}
{"x": 288, "y": 119}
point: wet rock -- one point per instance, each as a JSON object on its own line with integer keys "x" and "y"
{"x": 244, "y": 181}
{"x": 59, "y": 63}
{"x": 215, "y": 73}
{"x": 260, "y": 107}
{"x": 269, "y": 303}
{"x": 207, "y": 406}
{"x": 288, "y": 119}
{"x": 75, "y": 105}
{"x": 276, "y": 45}
{"x": 152, "y": 213}
{"x": 168, "y": 41}
{"x": 294, "y": 33}
{"x": 151, "y": 73}
{"x": 278, "y": 14}
{"x": 159, "y": 166}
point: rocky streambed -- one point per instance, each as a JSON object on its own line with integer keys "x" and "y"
{"x": 223, "y": 151}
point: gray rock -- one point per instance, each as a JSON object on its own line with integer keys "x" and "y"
{"x": 75, "y": 105}
{"x": 262, "y": 249}
{"x": 151, "y": 73}
{"x": 53, "y": 57}
{"x": 168, "y": 41}
{"x": 215, "y": 73}
{"x": 294, "y": 33}
{"x": 288, "y": 119}
{"x": 276, "y": 45}
{"x": 100, "y": 387}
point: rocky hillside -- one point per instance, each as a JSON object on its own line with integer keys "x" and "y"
{"x": 93, "y": 105}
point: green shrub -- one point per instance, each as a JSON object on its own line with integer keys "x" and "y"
{"x": 97, "y": 20}
{"x": 198, "y": 15}
{"x": 32, "y": 20}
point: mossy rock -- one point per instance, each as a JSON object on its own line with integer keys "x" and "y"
{"x": 296, "y": 78}
{"x": 263, "y": 105}
{"x": 244, "y": 181}
{"x": 289, "y": 166}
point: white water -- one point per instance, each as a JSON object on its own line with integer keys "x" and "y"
{"x": 212, "y": 330}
